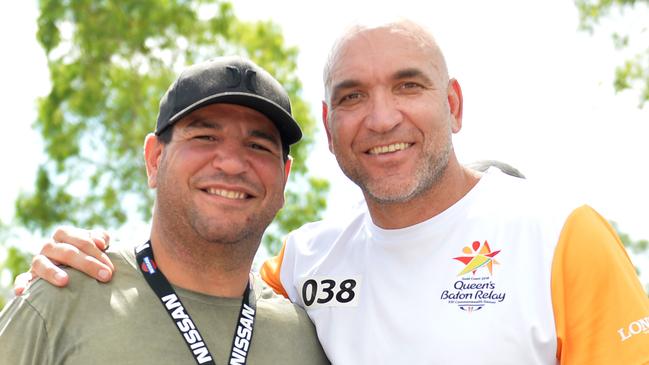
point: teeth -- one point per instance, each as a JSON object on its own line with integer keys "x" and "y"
{"x": 389, "y": 148}
{"x": 227, "y": 193}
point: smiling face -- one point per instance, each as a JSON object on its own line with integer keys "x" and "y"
{"x": 390, "y": 113}
{"x": 221, "y": 177}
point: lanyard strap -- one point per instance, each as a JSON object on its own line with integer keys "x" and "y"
{"x": 191, "y": 335}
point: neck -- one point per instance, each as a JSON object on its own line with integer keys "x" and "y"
{"x": 454, "y": 184}
{"x": 205, "y": 267}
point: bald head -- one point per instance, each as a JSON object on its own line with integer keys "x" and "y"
{"x": 410, "y": 31}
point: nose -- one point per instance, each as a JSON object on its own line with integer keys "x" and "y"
{"x": 384, "y": 114}
{"x": 230, "y": 159}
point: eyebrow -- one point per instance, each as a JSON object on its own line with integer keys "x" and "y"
{"x": 201, "y": 123}
{"x": 409, "y": 73}
{"x": 345, "y": 84}
{"x": 406, "y": 73}
{"x": 266, "y": 136}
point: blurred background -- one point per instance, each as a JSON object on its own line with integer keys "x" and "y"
{"x": 558, "y": 89}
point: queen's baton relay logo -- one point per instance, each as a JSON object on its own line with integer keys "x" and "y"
{"x": 475, "y": 287}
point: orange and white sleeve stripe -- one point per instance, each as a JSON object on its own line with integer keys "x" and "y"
{"x": 270, "y": 272}
{"x": 597, "y": 298}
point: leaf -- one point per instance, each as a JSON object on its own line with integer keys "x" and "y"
{"x": 110, "y": 62}
{"x": 633, "y": 73}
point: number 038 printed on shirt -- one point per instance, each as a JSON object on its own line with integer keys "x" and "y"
{"x": 326, "y": 291}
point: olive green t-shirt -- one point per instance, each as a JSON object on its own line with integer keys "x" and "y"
{"x": 123, "y": 322}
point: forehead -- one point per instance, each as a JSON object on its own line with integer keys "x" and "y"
{"x": 382, "y": 52}
{"x": 228, "y": 115}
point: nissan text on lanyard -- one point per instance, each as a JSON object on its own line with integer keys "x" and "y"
{"x": 188, "y": 330}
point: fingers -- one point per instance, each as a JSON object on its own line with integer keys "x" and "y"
{"x": 78, "y": 248}
{"x": 96, "y": 265}
{"x": 21, "y": 282}
{"x": 43, "y": 267}
{"x": 101, "y": 238}
{"x": 91, "y": 243}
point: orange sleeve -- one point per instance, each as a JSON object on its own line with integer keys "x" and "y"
{"x": 600, "y": 308}
{"x": 270, "y": 272}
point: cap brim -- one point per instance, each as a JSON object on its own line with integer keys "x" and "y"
{"x": 288, "y": 128}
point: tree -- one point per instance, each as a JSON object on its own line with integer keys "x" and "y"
{"x": 110, "y": 62}
{"x": 15, "y": 262}
{"x": 638, "y": 247}
{"x": 633, "y": 73}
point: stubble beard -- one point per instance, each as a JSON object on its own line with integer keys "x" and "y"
{"x": 227, "y": 232}
{"x": 382, "y": 191}
{"x": 184, "y": 220}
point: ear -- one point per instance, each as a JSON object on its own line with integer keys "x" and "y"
{"x": 325, "y": 122}
{"x": 287, "y": 168}
{"x": 152, "y": 154}
{"x": 455, "y": 104}
{"x": 287, "y": 172}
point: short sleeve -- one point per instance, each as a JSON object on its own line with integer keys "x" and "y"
{"x": 270, "y": 272}
{"x": 23, "y": 335}
{"x": 601, "y": 310}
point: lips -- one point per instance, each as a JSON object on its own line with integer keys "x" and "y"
{"x": 393, "y": 147}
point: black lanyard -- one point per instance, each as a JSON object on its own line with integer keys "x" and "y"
{"x": 158, "y": 282}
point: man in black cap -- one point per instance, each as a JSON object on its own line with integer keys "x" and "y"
{"x": 441, "y": 258}
{"x": 219, "y": 163}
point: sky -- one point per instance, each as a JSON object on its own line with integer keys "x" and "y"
{"x": 537, "y": 94}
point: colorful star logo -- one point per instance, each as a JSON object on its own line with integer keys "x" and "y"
{"x": 477, "y": 257}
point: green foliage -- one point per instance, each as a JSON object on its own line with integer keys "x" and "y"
{"x": 15, "y": 261}
{"x": 300, "y": 207}
{"x": 110, "y": 62}
{"x": 633, "y": 73}
{"x": 638, "y": 247}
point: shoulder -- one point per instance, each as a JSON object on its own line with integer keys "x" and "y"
{"x": 286, "y": 327}
{"x": 47, "y": 298}
{"x": 23, "y": 327}
{"x": 316, "y": 235}
{"x": 513, "y": 191}
{"x": 596, "y": 293}
{"x": 588, "y": 237}
{"x": 276, "y": 305}
{"x": 519, "y": 202}
{"x": 279, "y": 309}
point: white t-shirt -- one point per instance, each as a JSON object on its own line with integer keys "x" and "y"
{"x": 488, "y": 281}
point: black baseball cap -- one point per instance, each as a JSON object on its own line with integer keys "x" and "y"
{"x": 232, "y": 80}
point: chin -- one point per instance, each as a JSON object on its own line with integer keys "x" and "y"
{"x": 391, "y": 197}
{"x": 214, "y": 231}
{"x": 390, "y": 190}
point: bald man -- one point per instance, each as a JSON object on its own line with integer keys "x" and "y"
{"x": 443, "y": 264}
